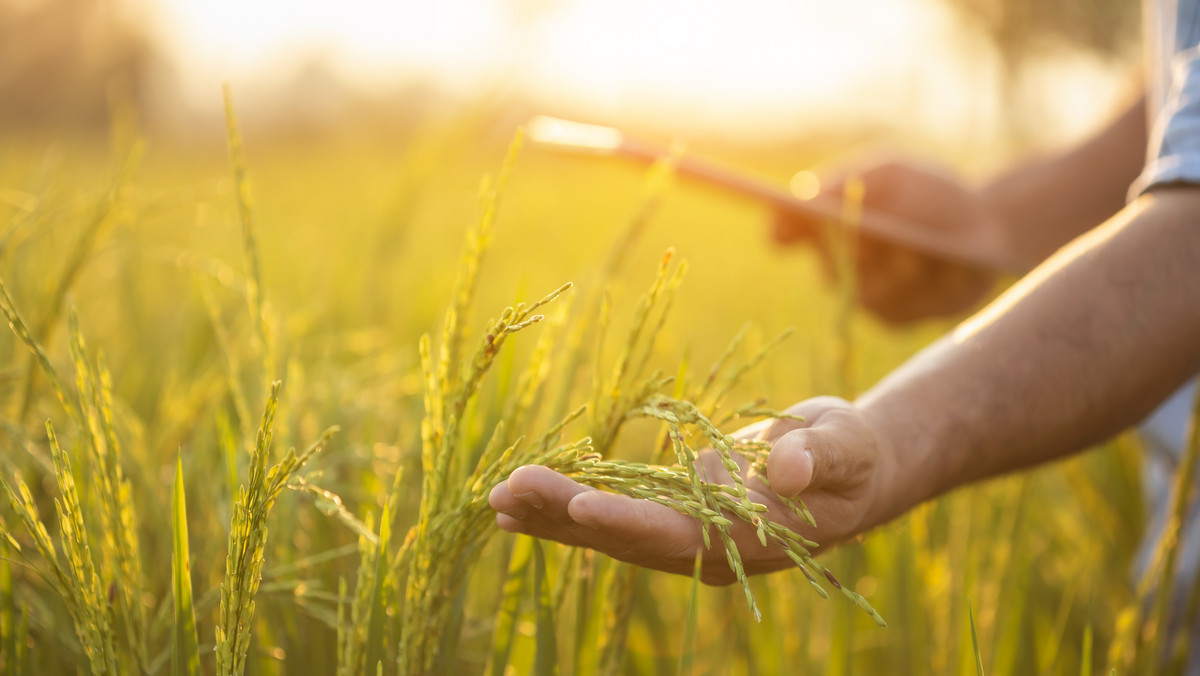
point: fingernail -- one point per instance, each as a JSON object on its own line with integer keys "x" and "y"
{"x": 532, "y": 499}
{"x": 811, "y": 461}
{"x": 518, "y": 514}
{"x": 589, "y": 524}
{"x": 580, "y": 515}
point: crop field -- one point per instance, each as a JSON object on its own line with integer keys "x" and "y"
{"x": 258, "y": 388}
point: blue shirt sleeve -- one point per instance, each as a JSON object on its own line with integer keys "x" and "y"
{"x": 1174, "y": 145}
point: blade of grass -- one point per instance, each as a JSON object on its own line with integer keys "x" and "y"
{"x": 1166, "y": 555}
{"x": 974, "y": 639}
{"x": 21, "y": 657}
{"x": 510, "y": 605}
{"x": 546, "y": 657}
{"x": 376, "y": 650}
{"x": 185, "y": 656}
{"x": 8, "y": 644}
{"x": 1085, "y": 658}
{"x": 687, "y": 655}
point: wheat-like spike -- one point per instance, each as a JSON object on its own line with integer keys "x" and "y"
{"x": 666, "y": 301}
{"x": 478, "y": 240}
{"x": 735, "y": 375}
{"x": 431, "y": 431}
{"x": 673, "y": 487}
{"x": 660, "y": 406}
{"x": 641, "y": 316}
{"x": 531, "y": 385}
{"x": 92, "y": 623}
{"x": 21, "y": 328}
{"x": 255, "y": 297}
{"x": 248, "y": 536}
{"x": 757, "y": 409}
{"x": 6, "y": 536}
{"x": 687, "y": 460}
{"x": 719, "y": 365}
{"x": 117, "y": 516}
{"x": 599, "y": 409}
{"x": 21, "y": 500}
{"x": 795, "y": 504}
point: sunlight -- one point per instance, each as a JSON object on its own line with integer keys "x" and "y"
{"x": 701, "y": 62}
{"x": 702, "y": 66}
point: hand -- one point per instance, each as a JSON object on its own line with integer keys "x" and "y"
{"x": 900, "y": 284}
{"x": 831, "y": 460}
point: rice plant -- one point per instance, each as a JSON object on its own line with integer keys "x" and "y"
{"x": 162, "y": 520}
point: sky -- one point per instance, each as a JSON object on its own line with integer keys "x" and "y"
{"x": 766, "y": 66}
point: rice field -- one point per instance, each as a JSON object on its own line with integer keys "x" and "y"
{"x": 256, "y": 393}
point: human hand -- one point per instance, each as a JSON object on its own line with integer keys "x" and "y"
{"x": 897, "y": 283}
{"x": 831, "y": 460}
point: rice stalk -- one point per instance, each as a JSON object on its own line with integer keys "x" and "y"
{"x": 546, "y": 655}
{"x": 687, "y": 653}
{"x": 87, "y": 600}
{"x": 246, "y": 552}
{"x": 112, "y": 494}
{"x": 511, "y": 595}
{"x": 255, "y": 296}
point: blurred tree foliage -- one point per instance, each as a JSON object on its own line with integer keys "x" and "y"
{"x": 1021, "y": 29}
{"x": 1022, "y": 33}
{"x": 61, "y": 60}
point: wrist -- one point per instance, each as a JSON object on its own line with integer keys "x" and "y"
{"x": 905, "y": 474}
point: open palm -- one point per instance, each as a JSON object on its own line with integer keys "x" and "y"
{"x": 830, "y": 460}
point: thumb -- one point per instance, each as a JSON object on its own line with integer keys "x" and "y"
{"x": 833, "y": 452}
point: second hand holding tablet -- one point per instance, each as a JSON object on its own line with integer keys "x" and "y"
{"x": 578, "y": 137}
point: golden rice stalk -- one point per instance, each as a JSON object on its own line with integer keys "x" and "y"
{"x": 248, "y": 536}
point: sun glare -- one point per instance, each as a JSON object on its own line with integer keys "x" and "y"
{"x": 762, "y": 68}
{"x": 610, "y": 55}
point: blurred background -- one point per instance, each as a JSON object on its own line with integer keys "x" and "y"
{"x": 973, "y": 72}
{"x": 367, "y": 128}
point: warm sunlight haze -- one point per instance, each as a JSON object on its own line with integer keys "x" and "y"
{"x": 585, "y": 337}
{"x": 696, "y": 66}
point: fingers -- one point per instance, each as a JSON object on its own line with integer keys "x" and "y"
{"x": 638, "y": 531}
{"x": 901, "y": 286}
{"x": 544, "y": 491}
{"x": 789, "y": 228}
{"x": 540, "y": 502}
{"x": 534, "y": 501}
{"x": 895, "y": 283}
{"x": 833, "y": 450}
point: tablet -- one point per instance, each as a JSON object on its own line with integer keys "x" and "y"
{"x": 577, "y": 137}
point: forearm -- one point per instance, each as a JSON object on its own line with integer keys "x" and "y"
{"x": 1083, "y": 347}
{"x": 1047, "y": 202}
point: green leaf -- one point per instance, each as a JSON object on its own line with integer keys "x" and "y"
{"x": 974, "y": 639}
{"x": 687, "y": 656}
{"x": 1085, "y": 659}
{"x": 8, "y": 645}
{"x": 506, "y": 616}
{"x": 546, "y": 660}
{"x": 376, "y": 650}
{"x": 185, "y": 650}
